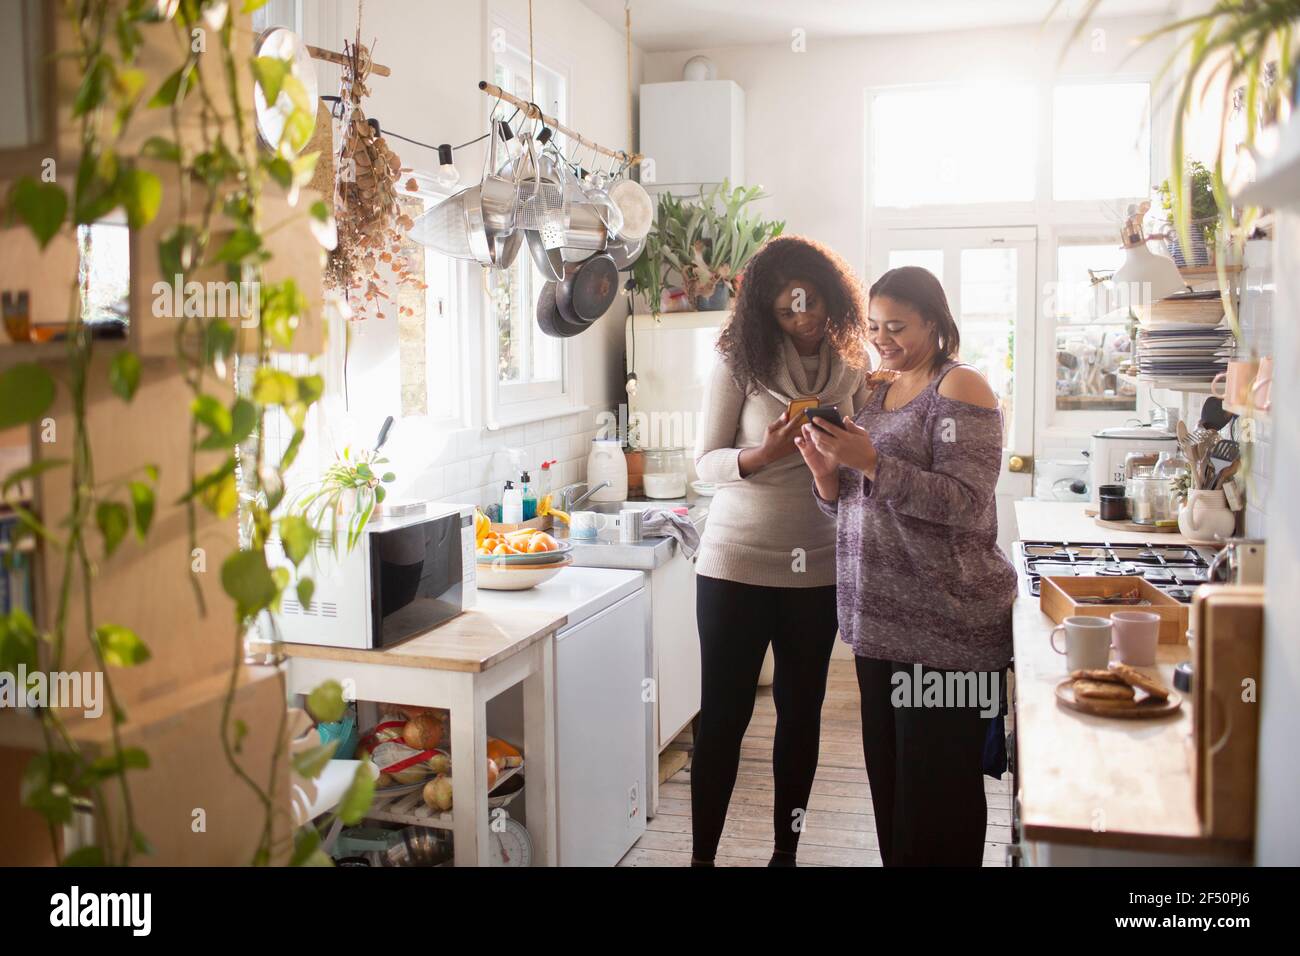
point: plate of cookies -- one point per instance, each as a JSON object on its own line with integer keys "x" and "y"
{"x": 1118, "y": 691}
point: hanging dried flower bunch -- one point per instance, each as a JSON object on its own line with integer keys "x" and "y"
{"x": 371, "y": 225}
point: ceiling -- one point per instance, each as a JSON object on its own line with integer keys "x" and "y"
{"x": 662, "y": 25}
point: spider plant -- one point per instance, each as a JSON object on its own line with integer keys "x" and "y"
{"x": 348, "y": 491}
{"x": 1252, "y": 46}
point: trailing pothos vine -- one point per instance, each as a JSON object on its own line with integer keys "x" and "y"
{"x": 220, "y": 174}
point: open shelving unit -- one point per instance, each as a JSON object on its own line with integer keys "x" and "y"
{"x": 410, "y": 808}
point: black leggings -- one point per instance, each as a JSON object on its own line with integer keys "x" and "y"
{"x": 736, "y": 624}
{"x": 925, "y": 767}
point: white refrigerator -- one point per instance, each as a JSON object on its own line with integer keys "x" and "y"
{"x": 672, "y": 359}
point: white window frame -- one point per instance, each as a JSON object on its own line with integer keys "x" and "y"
{"x": 1053, "y": 425}
{"x": 507, "y": 404}
{"x": 459, "y": 331}
{"x": 1057, "y": 221}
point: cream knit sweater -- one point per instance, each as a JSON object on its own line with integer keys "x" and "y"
{"x": 766, "y": 528}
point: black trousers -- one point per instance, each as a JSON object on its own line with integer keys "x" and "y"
{"x": 737, "y": 622}
{"x": 925, "y": 768}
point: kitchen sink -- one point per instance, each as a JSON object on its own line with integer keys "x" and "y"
{"x": 614, "y": 507}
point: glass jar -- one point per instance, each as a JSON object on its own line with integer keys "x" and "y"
{"x": 1152, "y": 499}
{"x": 665, "y": 473}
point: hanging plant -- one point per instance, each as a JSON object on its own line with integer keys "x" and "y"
{"x": 371, "y": 223}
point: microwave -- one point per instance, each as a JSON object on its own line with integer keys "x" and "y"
{"x": 406, "y": 575}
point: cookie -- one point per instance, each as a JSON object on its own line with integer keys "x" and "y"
{"x": 1102, "y": 690}
{"x": 1104, "y": 676}
{"x": 1135, "y": 678}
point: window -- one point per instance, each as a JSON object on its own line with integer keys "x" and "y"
{"x": 1093, "y": 339}
{"x": 525, "y": 366}
{"x": 428, "y": 338}
{"x": 928, "y": 259}
{"x": 954, "y": 145}
{"x": 1101, "y": 141}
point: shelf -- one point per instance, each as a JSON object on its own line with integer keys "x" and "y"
{"x": 410, "y": 808}
{"x": 1192, "y": 272}
{"x": 16, "y": 353}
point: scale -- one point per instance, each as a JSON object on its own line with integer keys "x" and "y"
{"x": 510, "y": 843}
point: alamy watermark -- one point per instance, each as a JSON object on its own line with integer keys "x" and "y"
{"x": 934, "y": 688}
{"x": 212, "y": 300}
{"x": 66, "y": 690}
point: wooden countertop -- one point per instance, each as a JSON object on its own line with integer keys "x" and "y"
{"x": 1067, "y": 521}
{"x": 1096, "y": 781}
{"x": 472, "y": 642}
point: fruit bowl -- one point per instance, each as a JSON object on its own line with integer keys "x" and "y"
{"x": 532, "y": 558}
{"x": 518, "y": 577}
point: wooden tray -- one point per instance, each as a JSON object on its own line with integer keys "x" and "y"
{"x": 1145, "y": 709}
{"x": 1139, "y": 528}
{"x": 1058, "y": 597}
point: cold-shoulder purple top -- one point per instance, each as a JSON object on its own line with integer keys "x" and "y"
{"x": 920, "y": 577}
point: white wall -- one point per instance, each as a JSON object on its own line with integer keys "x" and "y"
{"x": 805, "y": 135}
{"x": 1278, "y": 823}
{"x": 438, "y": 53}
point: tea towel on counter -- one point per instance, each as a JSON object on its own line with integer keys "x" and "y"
{"x": 662, "y": 523}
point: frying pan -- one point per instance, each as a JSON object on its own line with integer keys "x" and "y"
{"x": 588, "y": 290}
{"x": 549, "y": 319}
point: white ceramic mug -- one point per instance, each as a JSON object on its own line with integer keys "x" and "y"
{"x": 587, "y": 524}
{"x": 1136, "y": 635}
{"x": 1087, "y": 642}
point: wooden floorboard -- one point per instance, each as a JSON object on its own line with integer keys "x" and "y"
{"x": 839, "y": 829}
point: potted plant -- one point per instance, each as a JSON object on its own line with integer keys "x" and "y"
{"x": 704, "y": 244}
{"x": 1204, "y": 217}
{"x": 350, "y": 489}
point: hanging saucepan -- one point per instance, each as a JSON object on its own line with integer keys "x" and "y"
{"x": 490, "y": 214}
{"x": 549, "y": 320}
{"x": 588, "y": 289}
{"x": 625, "y": 252}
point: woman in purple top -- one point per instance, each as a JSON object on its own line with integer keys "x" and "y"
{"x": 923, "y": 591}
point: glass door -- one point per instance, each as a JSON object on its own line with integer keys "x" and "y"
{"x": 989, "y": 277}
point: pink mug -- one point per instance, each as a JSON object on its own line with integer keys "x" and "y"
{"x": 1136, "y": 634}
{"x": 1261, "y": 390}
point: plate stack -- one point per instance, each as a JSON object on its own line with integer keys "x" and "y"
{"x": 1182, "y": 355}
{"x": 1182, "y": 341}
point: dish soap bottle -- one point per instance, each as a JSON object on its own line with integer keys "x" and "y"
{"x": 512, "y": 504}
{"x": 529, "y": 499}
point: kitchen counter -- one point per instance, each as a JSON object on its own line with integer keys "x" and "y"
{"x": 460, "y": 666}
{"x": 473, "y": 641}
{"x": 1094, "y": 789}
{"x": 606, "y": 551}
{"x": 1067, "y": 521}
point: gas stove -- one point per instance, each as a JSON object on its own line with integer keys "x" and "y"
{"x": 1176, "y": 569}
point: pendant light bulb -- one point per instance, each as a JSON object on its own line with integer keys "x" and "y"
{"x": 447, "y": 175}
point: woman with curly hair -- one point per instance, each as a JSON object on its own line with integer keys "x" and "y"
{"x": 766, "y": 567}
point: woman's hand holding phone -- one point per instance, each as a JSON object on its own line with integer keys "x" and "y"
{"x": 831, "y": 446}
{"x": 778, "y": 443}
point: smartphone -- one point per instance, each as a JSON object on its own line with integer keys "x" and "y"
{"x": 799, "y": 406}
{"x": 828, "y": 412}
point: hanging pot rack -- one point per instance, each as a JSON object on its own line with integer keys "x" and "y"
{"x": 533, "y": 111}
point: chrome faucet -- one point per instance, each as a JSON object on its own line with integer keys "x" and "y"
{"x": 566, "y": 494}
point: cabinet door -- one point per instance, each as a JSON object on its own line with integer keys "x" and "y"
{"x": 677, "y": 646}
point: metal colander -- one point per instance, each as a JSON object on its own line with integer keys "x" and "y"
{"x": 445, "y": 228}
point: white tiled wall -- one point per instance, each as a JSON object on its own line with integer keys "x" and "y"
{"x": 475, "y": 463}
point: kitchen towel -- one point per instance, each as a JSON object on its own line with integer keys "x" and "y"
{"x": 662, "y": 523}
